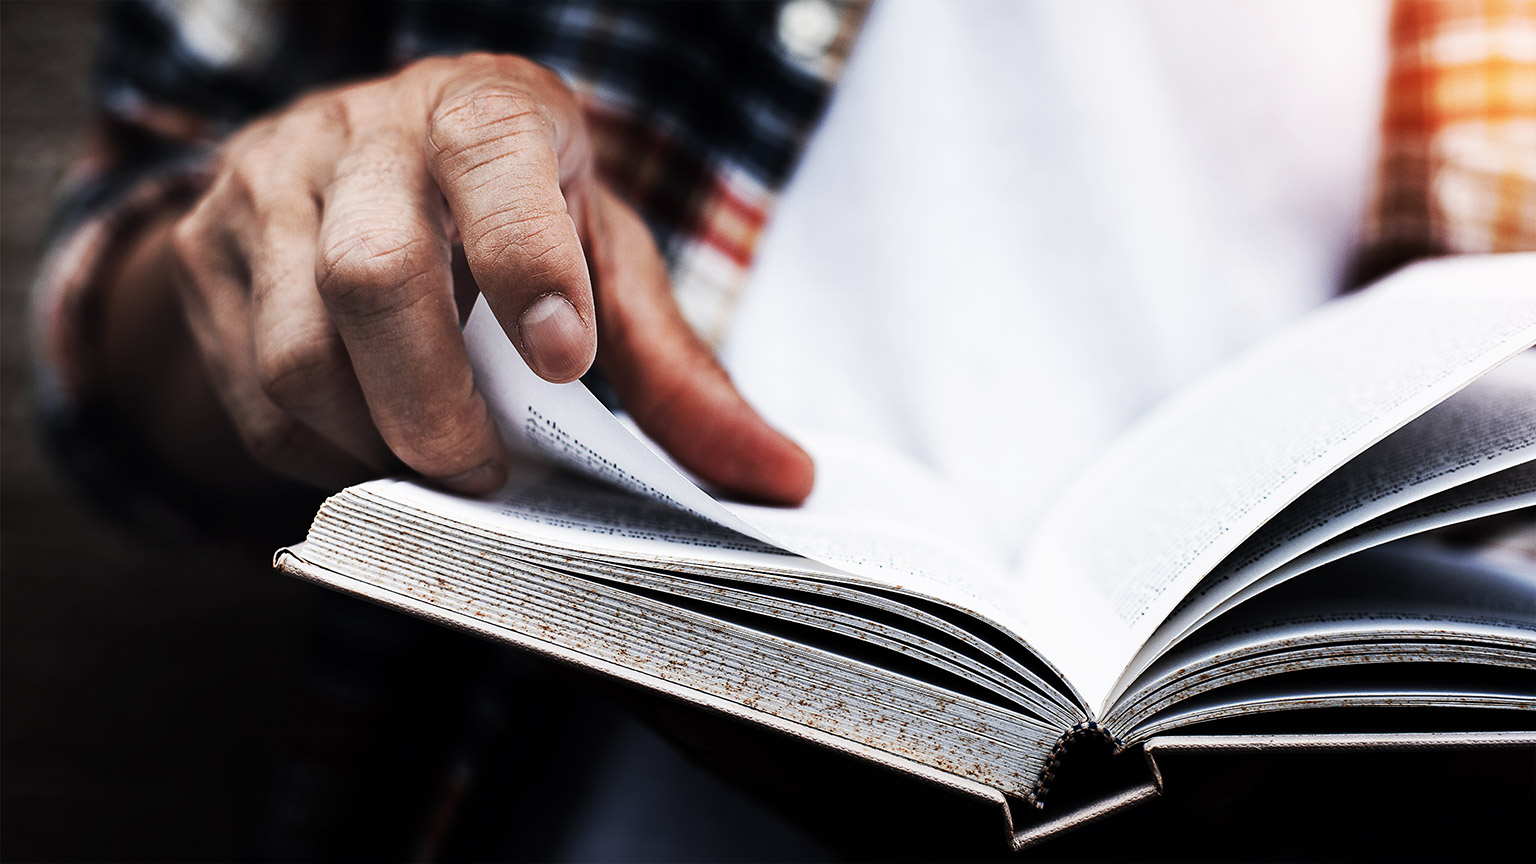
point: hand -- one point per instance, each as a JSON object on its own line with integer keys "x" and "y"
{"x": 316, "y": 276}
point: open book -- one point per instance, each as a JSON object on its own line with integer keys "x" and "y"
{"x": 1179, "y": 584}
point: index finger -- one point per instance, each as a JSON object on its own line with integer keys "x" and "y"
{"x": 501, "y": 149}
{"x": 386, "y": 280}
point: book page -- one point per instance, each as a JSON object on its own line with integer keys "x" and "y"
{"x": 877, "y": 516}
{"x": 1217, "y": 705}
{"x": 567, "y": 425}
{"x": 876, "y": 513}
{"x": 873, "y": 517}
{"x": 1406, "y": 592}
{"x": 1484, "y": 429}
{"x": 1510, "y": 489}
{"x": 555, "y": 519}
{"x": 1194, "y": 479}
{"x": 1507, "y": 490}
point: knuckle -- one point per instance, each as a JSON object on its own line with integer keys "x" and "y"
{"x": 192, "y": 244}
{"x": 245, "y": 179}
{"x": 436, "y": 65}
{"x": 542, "y": 241}
{"x": 479, "y": 115}
{"x": 360, "y": 267}
{"x": 247, "y": 140}
{"x": 477, "y": 65}
{"x": 267, "y": 184}
{"x": 188, "y": 238}
{"x": 494, "y": 232}
{"x": 481, "y": 63}
{"x": 548, "y": 79}
{"x": 329, "y": 111}
{"x": 244, "y": 186}
{"x": 297, "y": 369}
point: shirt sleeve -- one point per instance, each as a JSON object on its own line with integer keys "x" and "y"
{"x": 170, "y": 80}
{"x": 698, "y": 111}
{"x": 1457, "y": 172}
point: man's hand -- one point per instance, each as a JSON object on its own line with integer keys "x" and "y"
{"x": 316, "y": 275}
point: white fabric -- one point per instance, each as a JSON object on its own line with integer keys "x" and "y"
{"x": 1024, "y": 222}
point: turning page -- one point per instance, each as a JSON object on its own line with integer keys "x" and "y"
{"x": 873, "y": 517}
{"x": 1199, "y": 475}
{"x": 566, "y": 425}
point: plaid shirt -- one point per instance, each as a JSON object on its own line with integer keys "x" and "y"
{"x": 699, "y": 112}
{"x": 1457, "y": 171}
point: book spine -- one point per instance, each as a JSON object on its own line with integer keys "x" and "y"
{"x": 1086, "y": 729}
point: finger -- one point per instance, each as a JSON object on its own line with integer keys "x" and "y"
{"x": 301, "y": 362}
{"x": 669, "y": 381}
{"x": 384, "y": 278}
{"x": 217, "y": 305}
{"x": 497, "y": 152}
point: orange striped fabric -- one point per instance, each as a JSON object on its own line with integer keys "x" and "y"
{"x": 1458, "y": 166}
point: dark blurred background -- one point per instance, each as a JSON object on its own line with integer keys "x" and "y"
{"x": 141, "y": 684}
{"x": 152, "y": 695}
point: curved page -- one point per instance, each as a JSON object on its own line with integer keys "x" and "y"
{"x": 1187, "y": 485}
{"x": 872, "y": 518}
{"x": 1442, "y": 598}
{"x": 1484, "y": 429}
